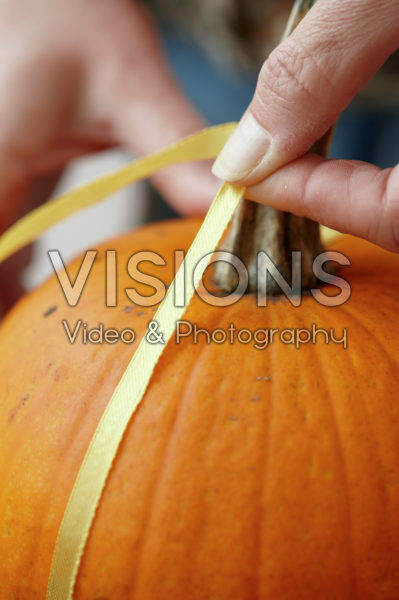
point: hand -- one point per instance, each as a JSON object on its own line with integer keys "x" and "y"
{"x": 303, "y": 87}
{"x": 78, "y": 76}
{"x": 82, "y": 75}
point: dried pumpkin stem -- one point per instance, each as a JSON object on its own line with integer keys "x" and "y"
{"x": 256, "y": 228}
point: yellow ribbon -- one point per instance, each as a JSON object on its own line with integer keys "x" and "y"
{"x": 92, "y": 476}
{"x": 201, "y": 146}
{"x": 89, "y": 484}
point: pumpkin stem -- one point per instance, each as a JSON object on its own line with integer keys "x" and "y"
{"x": 257, "y": 228}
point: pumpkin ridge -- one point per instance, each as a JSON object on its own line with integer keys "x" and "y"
{"x": 158, "y": 479}
{"x": 366, "y": 410}
{"x": 266, "y": 462}
{"x": 157, "y": 482}
{"x": 394, "y": 362}
{"x": 383, "y": 525}
{"x": 342, "y": 461}
{"x": 387, "y": 356}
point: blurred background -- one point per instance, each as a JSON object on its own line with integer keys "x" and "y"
{"x": 215, "y": 56}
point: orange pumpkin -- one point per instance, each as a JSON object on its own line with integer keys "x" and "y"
{"x": 245, "y": 474}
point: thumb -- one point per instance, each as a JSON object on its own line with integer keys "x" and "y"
{"x": 306, "y": 83}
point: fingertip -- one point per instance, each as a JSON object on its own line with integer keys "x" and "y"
{"x": 247, "y": 149}
{"x": 189, "y": 189}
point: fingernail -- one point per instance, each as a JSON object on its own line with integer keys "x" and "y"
{"x": 245, "y": 149}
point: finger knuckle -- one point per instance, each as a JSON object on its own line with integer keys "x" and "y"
{"x": 283, "y": 75}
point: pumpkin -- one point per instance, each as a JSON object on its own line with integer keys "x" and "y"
{"x": 244, "y": 474}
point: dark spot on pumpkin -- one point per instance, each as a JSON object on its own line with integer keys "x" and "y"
{"x": 18, "y": 407}
{"x": 128, "y": 309}
{"x": 139, "y": 314}
{"x": 254, "y": 399}
{"x": 234, "y": 418}
{"x": 50, "y": 311}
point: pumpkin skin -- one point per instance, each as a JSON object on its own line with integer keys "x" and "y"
{"x": 226, "y": 485}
